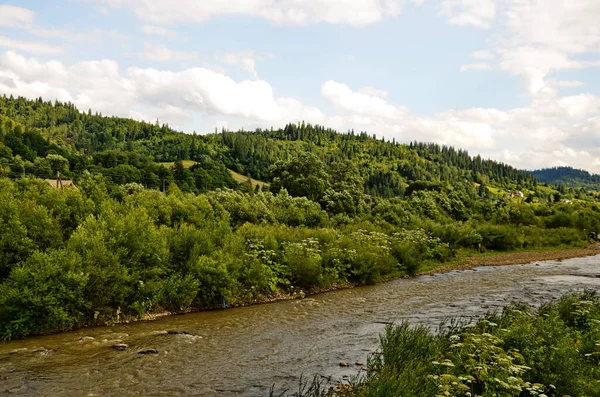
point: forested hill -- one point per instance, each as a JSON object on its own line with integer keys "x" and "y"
{"x": 386, "y": 166}
{"x": 157, "y": 221}
{"x": 569, "y": 177}
{"x": 126, "y": 151}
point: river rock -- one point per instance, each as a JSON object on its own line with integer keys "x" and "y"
{"x": 173, "y": 332}
{"x": 148, "y": 351}
{"x": 21, "y": 389}
{"x": 120, "y": 347}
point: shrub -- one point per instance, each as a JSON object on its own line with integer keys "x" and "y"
{"x": 45, "y": 294}
{"x": 499, "y": 237}
{"x": 177, "y": 293}
{"x": 408, "y": 256}
{"x": 304, "y": 263}
{"x": 213, "y": 280}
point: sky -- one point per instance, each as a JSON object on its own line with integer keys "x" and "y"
{"x": 513, "y": 80}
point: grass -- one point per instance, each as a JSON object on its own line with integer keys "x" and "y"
{"x": 186, "y": 164}
{"x": 242, "y": 179}
{"x": 239, "y": 178}
{"x": 65, "y": 183}
{"x": 494, "y": 190}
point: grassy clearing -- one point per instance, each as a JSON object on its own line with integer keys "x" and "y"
{"x": 65, "y": 183}
{"x": 242, "y": 179}
{"x": 186, "y": 164}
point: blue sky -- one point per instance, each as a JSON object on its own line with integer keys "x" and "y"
{"x": 515, "y": 80}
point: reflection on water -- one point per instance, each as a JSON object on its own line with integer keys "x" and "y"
{"x": 242, "y": 352}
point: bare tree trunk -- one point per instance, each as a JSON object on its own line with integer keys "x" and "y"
{"x": 58, "y": 180}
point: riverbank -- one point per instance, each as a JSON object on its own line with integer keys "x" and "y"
{"x": 514, "y": 258}
{"x": 461, "y": 263}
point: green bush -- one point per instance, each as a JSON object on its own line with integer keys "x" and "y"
{"x": 45, "y": 294}
{"x": 408, "y": 256}
{"x": 178, "y": 293}
{"x": 560, "y": 219}
{"x": 500, "y": 237}
{"x": 213, "y": 280}
{"x": 304, "y": 263}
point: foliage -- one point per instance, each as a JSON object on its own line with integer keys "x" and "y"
{"x": 156, "y": 221}
{"x": 568, "y": 177}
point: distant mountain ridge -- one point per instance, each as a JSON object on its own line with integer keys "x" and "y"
{"x": 568, "y": 176}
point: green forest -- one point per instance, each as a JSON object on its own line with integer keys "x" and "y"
{"x": 156, "y": 221}
{"x": 568, "y": 177}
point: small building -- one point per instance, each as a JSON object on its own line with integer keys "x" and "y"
{"x": 516, "y": 193}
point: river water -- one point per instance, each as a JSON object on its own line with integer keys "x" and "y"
{"x": 243, "y": 351}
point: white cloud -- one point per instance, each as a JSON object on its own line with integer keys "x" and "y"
{"x": 33, "y": 47}
{"x": 245, "y": 59}
{"x": 104, "y": 86}
{"x": 547, "y": 36}
{"x": 477, "y": 13}
{"x": 468, "y": 129}
{"x": 580, "y": 106}
{"x": 159, "y": 31}
{"x": 563, "y": 156}
{"x": 13, "y": 16}
{"x": 535, "y": 63}
{"x": 344, "y": 99}
{"x": 284, "y": 12}
{"x": 476, "y": 66}
{"x": 567, "y": 26}
{"x": 205, "y": 90}
{"x": 372, "y": 91}
{"x": 94, "y": 84}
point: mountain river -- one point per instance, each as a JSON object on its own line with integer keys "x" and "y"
{"x": 243, "y": 351}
